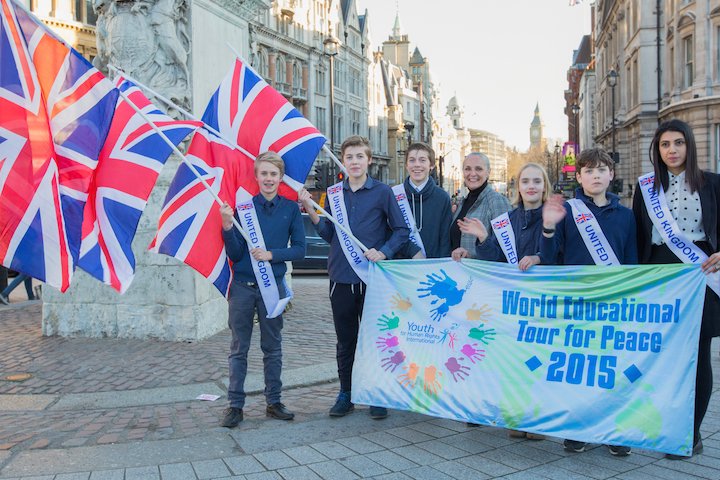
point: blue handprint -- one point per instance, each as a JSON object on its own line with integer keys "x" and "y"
{"x": 445, "y": 289}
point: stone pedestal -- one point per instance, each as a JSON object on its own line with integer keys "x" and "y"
{"x": 178, "y": 51}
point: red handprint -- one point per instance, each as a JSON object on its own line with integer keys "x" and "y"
{"x": 389, "y": 342}
{"x": 472, "y": 353}
{"x": 409, "y": 377}
{"x": 455, "y": 368}
{"x": 391, "y": 363}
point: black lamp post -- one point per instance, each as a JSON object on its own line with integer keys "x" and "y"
{"x": 612, "y": 79}
{"x": 557, "y": 166}
{"x": 331, "y": 49}
{"x": 576, "y": 110}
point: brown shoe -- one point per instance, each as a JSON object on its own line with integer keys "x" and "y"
{"x": 517, "y": 434}
{"x": 535, "y": 436}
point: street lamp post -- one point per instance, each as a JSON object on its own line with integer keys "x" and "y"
{"x": 576, "y": 110}
{"x": 331, "y": 49}
{"x": 612, "y": 79}
{"x": 557, "y": 166}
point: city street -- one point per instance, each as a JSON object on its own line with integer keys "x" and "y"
{"x": 78, "y": 408}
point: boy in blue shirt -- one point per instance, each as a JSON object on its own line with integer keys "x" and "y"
{"x": 565, "y": 227}
{"x": 280, "y": 221}
{"x": 370, "y": 210}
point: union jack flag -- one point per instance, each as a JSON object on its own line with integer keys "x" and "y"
{"x": 501, "y": 223}
{"x": 334, "y": 189}
{"x": 584, "y": 217}
{"x": 647, "y": 180}
{"x": 245, "y": 108}
{"x": 245, "y": 206}
{"x": 55, "y": 109}
{"x": 400, "y": 196}
{"x": 129, "y": 165}
{"x": 190, "y": 227}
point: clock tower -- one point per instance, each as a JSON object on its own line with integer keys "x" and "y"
{"x": 536, "y": 129}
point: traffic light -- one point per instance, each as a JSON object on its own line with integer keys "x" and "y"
{"x": 341, "y": 176}
{"x": 321, "y": 174}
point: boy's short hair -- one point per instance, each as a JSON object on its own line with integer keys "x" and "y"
{"x": 423, "y": 147}
{"x": 271, "y": 157}
{"x": 356, "y": 141}
{"x": 592, "y": 158}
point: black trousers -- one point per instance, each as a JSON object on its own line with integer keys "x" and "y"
{"x": 704, "y": 376}
{"x": 347, "y": 303}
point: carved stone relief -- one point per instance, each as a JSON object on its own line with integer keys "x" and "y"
{"x": 148, "y": 39}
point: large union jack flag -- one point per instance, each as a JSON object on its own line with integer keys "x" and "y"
{"x": 190, "y": 227}
{"x": 54, "y": 115}
{"x": 245, "y": 108}
{"x": 129, "y": 164}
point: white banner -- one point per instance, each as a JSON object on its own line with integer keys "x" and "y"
{"x": 401, "y": 198}
{"x": 352, "y": 251}
{"x": 506, "y": 237}
{"x": 591, "y": 233}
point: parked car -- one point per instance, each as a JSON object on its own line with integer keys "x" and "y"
{"x": 317, "y": 248}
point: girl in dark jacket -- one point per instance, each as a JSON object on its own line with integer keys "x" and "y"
{"x": 526, "y": 220}
{"x": 693, "y": 200}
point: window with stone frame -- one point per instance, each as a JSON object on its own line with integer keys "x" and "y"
{"x": 280, "y": 75}
{"x": 688, "y": 64}
{"x": 297, "y": 75}
{"x": 320, "y": 120}
{"x": 354, "y": 122}
{"x": 338, "y": 120}
{"x": 320, "y": 82}
{"x": 338, "y": 80}
{"x": 354, "y": 75}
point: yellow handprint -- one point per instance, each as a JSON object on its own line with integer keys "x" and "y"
{"x": 431, "y": 382}
{"x": 477, "y": 315}
{"x": 409, "y": 377}
{"x": 401, "y": 304}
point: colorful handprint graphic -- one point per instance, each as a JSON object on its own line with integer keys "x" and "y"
{"x": 455, "y": 368}
{"x": 472, "y": 353}
{"x": 444, "y": 288}
{"x": 391, "y": 363}
{"x": 400, "y": 304}
{"x": 482, "y": 335}
{"x": 388, "y": 323}
{"x": 409, "y": 378}
{"x": 431, "y": 382}
{"x": 389, "y": 342}
{"x": 475, "y": 315}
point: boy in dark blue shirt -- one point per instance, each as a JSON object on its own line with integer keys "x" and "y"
{"x": 568, "y": 229}
{"x": 370, "y": 210}
{"x": 279, "y": 220}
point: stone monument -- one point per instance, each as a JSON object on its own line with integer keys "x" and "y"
{"x": 177, "y": 48}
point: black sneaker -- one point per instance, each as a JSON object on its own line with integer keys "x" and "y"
{"x": 574, "y": 447}
{"x": 378, "y": 413}
{"x": 278, "y": 410}
{"x": 342, "y": 406}
{"x": 233, "y": 416}
{"x": 697, "y": 449}
{"x": 619, "y": 451}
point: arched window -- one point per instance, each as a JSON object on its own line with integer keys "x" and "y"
{"x": 262, "y": 63}
{"x": 280, "y": 75}
{"x": 297, "y": 75}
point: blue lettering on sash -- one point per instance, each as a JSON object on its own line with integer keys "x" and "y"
{"x": 512, "y": 256}
{"x": 655, "y": 203}
{"x": 251, "y": 228}
{"x": 596, "y": 243}
{"x": 264, "y": 276}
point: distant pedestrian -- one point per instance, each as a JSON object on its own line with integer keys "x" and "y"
{"x": 278, "y": 221}
{"x": 5, "y": 294}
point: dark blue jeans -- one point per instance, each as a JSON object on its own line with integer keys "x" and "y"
{"x": 20, "y": 278}
{"x": 243, "y": 300}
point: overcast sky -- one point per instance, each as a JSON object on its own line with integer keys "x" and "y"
{"x": 500, "y": 57}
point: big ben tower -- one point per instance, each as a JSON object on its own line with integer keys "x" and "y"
{"x": 536, "y": 129}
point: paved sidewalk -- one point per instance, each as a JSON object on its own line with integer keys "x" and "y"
{"x": 125, "y": 409}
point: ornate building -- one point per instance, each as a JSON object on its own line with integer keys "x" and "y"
{"x": 494, "y": 147}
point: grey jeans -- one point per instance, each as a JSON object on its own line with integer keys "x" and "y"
{"x": 243, "y": 300}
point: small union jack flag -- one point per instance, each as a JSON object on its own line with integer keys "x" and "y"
{"x": 647, "y": 180}
{"x": 400, "y": 196}
{"x": 501, "y": 223}
{"x": 335, "y": 189}
{"x": 245, "y": 206}
{"x": 584, "y": 217}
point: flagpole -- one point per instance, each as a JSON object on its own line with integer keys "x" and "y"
{"x": 184, "y": 159}
{"x": 325, "y": 148}
{"x": 232, "y": 144}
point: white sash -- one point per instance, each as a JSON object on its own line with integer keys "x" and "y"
{"x": 352, "y": 251}
{"x": 662, "y": 219}
{"x": 401, "y": 197}
{"x": 591, "y": 233}
{"x": 506, "y": 237}
{"x": 274, "y": 305}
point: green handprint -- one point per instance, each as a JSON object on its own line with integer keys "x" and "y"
{"x": 388, "y": 323}
{"x": 482, "y": 335}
